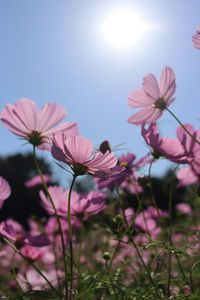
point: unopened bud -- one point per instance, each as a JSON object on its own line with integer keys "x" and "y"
{"x": 105, "y": 146}
{"x": 106, "y": 255}
{"x": 118, "y": 219}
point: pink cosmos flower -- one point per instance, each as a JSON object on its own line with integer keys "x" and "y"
{"x": 88, "y": 205}
{"x": 163, "y": 146}
{"x": 131, "y": 183}
{"x": 13, "y": 231}
{"x": 184, "y": 208}
{"x": 37, "y": 181}
{"x": 191, "y": 148}
{"x": 5, "y": 190}
{"x": 52, "y": 230}
{"x": 77, "y": 153}
{"x": 154, "y": 97}
{"x": 60, "y": 198}
{"x": 32, "y": 253}
{"x": 196, "y": 38}
{"x": 24, "y": 120}
{"x": 147, "y": 221}
{"x": 126, "y": 161}
{"x": 129, "y": 213}
{"x": 81, "y": 205}
{"x": 36, "y": 281}
{"x": 187, "y": 176}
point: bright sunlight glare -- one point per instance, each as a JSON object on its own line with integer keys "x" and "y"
{"x": 123, "y": 28}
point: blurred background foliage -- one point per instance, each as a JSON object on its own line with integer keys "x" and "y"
{"x": 25, "y": 202}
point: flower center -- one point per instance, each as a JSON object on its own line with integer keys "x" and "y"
{"x": 160, "y": 104}
{"x": 124, "y": 164}
{"x": 79, "y": 169}
{"x": 35, "y": 138}
{"x": 156, "y": 154}
{"x": 19, "y": 240}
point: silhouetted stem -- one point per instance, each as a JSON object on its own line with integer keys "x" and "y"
{"x": 170, "y": 241}
{"x": 14, "y": 273}
{"x": 70, "y": 236}
{"x": 113, "y": 256}
{"x": 151, "y": 191}
{"x": 56, "y": 214}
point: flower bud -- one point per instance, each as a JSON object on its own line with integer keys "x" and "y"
{"x": 105, "y": 146}
{"x": 106, "y": 255}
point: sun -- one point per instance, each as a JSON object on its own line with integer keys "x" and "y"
{"x": 123, "y": 28}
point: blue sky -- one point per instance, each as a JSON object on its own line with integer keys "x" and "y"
{"x": 53, "y": 51}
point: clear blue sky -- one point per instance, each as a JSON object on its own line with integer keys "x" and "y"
{"x": 53, "y": 51}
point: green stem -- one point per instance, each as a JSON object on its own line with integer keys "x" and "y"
{"x": 113, "y": 256}
{"x": 30, "y": 262}
{"x": 56, "y": 214}
{"x": 56, "y": 260}
{"x": 14, "y": 273}
{"x": 80, "y": 244}
{"x": 198, "y": 142}
{"x": 70, "y": 236}
{"x": 135, "y": 246}
{"x": 170, "y": 241}
{"x": 132, "y": 222}
{"x": 151, "y": 191}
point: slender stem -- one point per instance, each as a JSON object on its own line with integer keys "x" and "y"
{"x": 113, "y": 256}
{"x": 170, "y": 241}
{"x": 198, "y": 142}
{"x": 30, "y": 262}
{"x": 132, "y": 222}
{"x": 191, "y": 270}
{"x": 56, "y": 260}
{"x": 14, "y": 272}
{"x": 80, "y": 244}
{"x": 151, "y": 191}
{"x": 70, "y": 236}
{"x": 56, "y": 214}
{"x": 135, "y": 246}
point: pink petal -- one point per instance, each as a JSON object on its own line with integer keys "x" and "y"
{"x": 15, "y": 118}
{"x": 150, "y": 86}
{"x": 5, "y": 190}
{"x": 68, "y": 128}
{"x": 102, "y": 161}
{"x": 167, "y": 83}
{"x": 27, "y": 113}
{"x": 57, "y": 149}
{"x": 139, "y": 98}
{"x": 188, "y": 143}
{"x": 151, "y": 136}
{"x": 175, "y": 153}
{"x": 184, "y": 208}
{"x": 145, "y": 116}
{"x": 78, "y": 149}
{"x": 196, "y": 38}
{"x": 50, "y": 115}
{"x": 186, "y": 177}
{"x": 37, "y": 181}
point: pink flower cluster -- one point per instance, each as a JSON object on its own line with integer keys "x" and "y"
{"x": 82, "y": 205}
{"x": 130, "y": 229}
